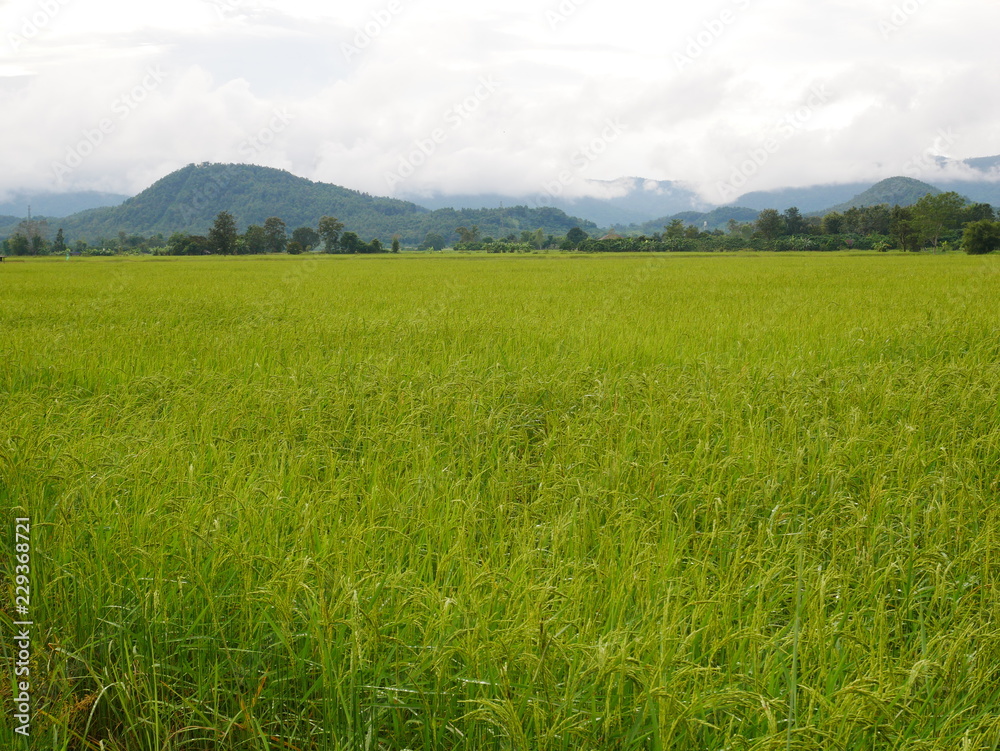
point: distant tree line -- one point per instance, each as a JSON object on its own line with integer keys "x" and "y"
{"x": 513, "y": 242}
{"x": 31, "y": 238}
{"x": 944, "y": 221}
{"x": 930, "y": 221}
{"x": 224, "y": 238}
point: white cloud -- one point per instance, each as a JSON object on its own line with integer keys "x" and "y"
{"x": 698, "y": 87}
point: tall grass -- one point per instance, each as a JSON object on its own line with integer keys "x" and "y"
{"x": 545, "y": 503}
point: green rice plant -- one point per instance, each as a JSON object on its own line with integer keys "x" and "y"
{"x": 543, "y": 502}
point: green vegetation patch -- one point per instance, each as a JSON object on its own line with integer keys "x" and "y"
{"x": 498, "y": 502}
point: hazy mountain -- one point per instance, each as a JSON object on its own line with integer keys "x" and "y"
{"x": 818, "y": 199}
{"x": 982, "y": 186}
{"x": 984, "y": 164}
{"x": 56, "y": 204}
{"x": 712, "y": 220}
{"x": 189, "y": 199}
{"x": 902, "y": 191}
{"x": 812, "y": 198}
{"x": 628, "y": 200}
{"x": 975, "y": 190}
{"x": 8, "y": 225}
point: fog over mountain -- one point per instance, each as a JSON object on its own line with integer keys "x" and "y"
{"x": 253, "y": 193}
{"x": 56, "y": 204}
{"x": 439, "y": 98}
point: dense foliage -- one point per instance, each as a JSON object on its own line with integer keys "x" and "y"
{"x": 935, "y": 220}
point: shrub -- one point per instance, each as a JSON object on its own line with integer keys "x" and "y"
{"x": 981, "y": 237}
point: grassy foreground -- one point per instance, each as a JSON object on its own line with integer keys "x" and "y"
{"x": 536, "y": 503}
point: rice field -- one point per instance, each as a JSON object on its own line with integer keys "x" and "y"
{"x": 543, "y": 503}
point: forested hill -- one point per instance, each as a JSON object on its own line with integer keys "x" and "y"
{"x": 895, "y": 191}
{"x": 189, "y": 199}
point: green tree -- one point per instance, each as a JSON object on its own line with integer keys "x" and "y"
{"x": 739, "y": 229}
{"x": 977, "y": 212}
{"x": 294, "y": 247}
{"x": 255, "y": 239}
{"x": 981, "y": 237}
{"x": 33, "y": 228}
{"x": 768, "y": 224}
{"x": 468, "y": 236}
{"x": 935, "y": 215}
{"x": 275, "y": 232}
{"x": 181, "y": 244}
{"x": 832, "y": 223}
{"x": 19, "y": 245}
{"x": 867, "y": 220}
{"x": 177, "y": 244}
{"x": 351, "y": 243}
{"x": 433, "y": 241}
{"x": 795, "y": 223}
{"x": 59, "y": 246}
{"x": 329, "y": 230}
{"x": 224, "y": 234}
{"x": 307, "y": 237}
{"x": 395, "y": 244}
{"x": 674, "y": 229}
{"x": 901, "y": 228}
{"x": 375, "y": 246}
{"x": 576, "y": 236}
{"x": 852, "y": 221}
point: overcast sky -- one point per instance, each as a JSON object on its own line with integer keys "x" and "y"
{"x": 401, "y": 97}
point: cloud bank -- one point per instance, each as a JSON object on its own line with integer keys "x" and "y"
{"x": 435, "y": 96}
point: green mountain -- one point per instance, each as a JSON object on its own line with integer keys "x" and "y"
{"x": 902, "y": 191}
{"x": 712, "y": 220}
{"x": 189, "y": 199}
{"x": 8, "y": 224}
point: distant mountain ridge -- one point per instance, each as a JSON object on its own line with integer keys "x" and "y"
{"x": 627, "y": 200}
{"x": 902, "y": 191}
{"x": 57, "y": 205}
{"x": 982, "y": 185}
{"x": 984, "y": 164}
{"x": 806, "y": 200}
{"x": 189, "y": 199}
{"x": 709, "y": 221}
